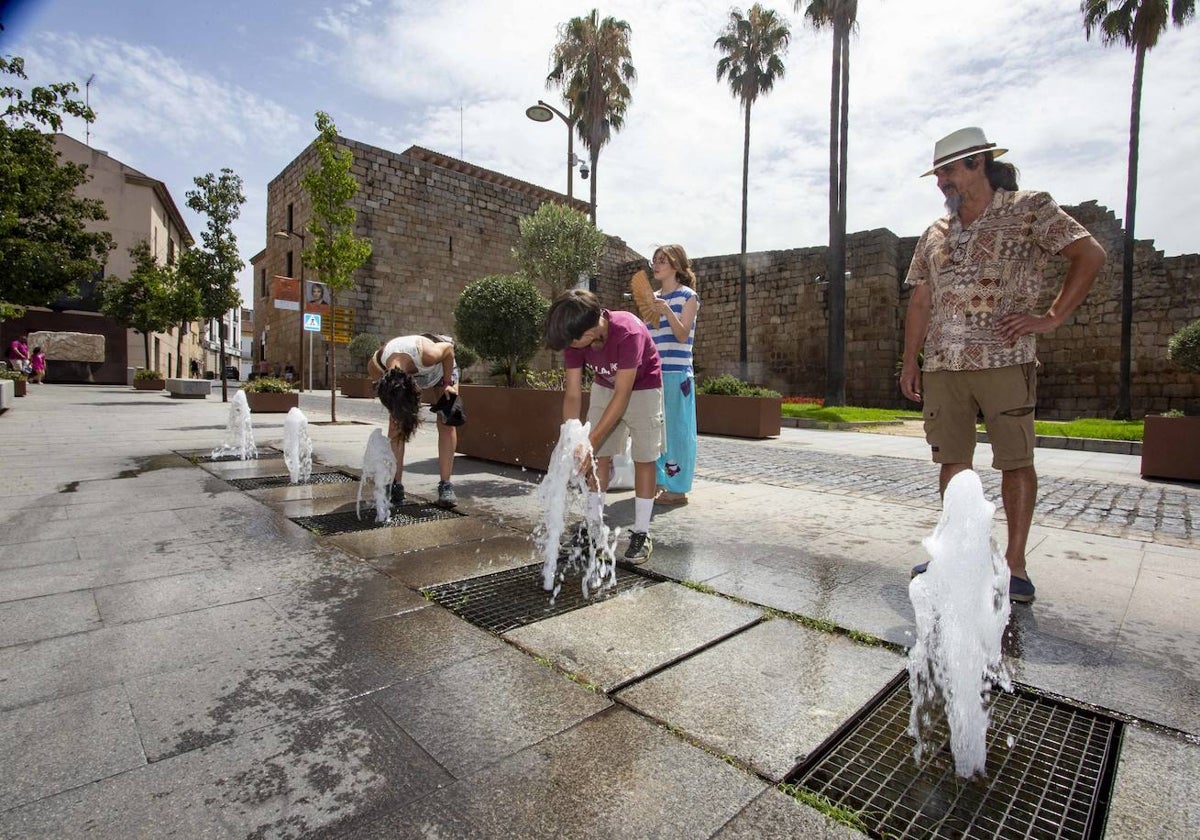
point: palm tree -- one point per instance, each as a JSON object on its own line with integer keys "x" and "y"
{"x": 753, "y": 45}
{"x": 591, "y": 65}
{"x": 1137, "y": 25}
{"x": 841, "y": 16}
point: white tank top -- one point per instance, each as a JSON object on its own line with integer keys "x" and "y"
{"x": 427, "y": 376}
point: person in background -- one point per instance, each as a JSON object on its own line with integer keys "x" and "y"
{"x": 976, "y": 277}
{"x": 673, "y": 334}
{"x": 37, "y": 366}
{"x": 18, "y": 354}
{"x": 412, "y": 369}
{"x": 626, "y": 399}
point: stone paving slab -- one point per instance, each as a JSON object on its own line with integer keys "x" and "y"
{"x": 613, "y": 776}
{"x": 193, "y": 707}
{"x": 54, "y": 746}
{"x": 380, "y": 653}
{"x": 774, "y": 816}
{"x": 769, "y": 696}
{"x": 420, "y": 569}
{"x": 483, "y": 709}
{"x": 1156, "y": 793}
{"x": 37, "y": 551}
{"x": 69, "y": 664}
{"x": 340, "y": 600}
{"x": 285, "y": 781}
{"x": 33, "y": 619}
{"x": 618, "y": 640}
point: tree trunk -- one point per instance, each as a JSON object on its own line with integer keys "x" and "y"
{"x": 221, "y": 359}
{"x": 742, "y": 354}
{"x": 146, "y": 345}
{"x": 594, "y": 154}
{"x": 1124, "y": 388}
{"x": 332, "y": 362}
{"x": 835, "y": 344}
{"x": 179, "y": 350}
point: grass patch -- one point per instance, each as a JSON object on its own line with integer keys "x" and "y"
{"x": 845, "y": 816}
{"x": 1091, "y": 427}
{"x": 846, "y": 413}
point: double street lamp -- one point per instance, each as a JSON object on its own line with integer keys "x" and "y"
{"x": 288, "y": 234}
{"x": 544, "y": 112}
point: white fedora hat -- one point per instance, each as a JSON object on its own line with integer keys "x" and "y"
{"x": 960, "y": 144}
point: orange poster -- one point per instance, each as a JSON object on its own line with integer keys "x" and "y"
{"x": 286, "y": 292}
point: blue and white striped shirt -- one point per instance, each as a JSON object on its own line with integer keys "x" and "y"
{"x": 676, "y": 355}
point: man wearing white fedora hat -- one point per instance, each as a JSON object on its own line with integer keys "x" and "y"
{"x": 976, "y": 276}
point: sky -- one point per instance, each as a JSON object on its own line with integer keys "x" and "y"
{"x": 183, "y": 89}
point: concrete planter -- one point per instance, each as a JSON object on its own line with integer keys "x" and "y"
{"x": 746, "y": 417}
{"x": 149, "y": 384}
{"x": 1171, "y": 447}
{"x": 270, "y": 403}
{"x": 517, "y": 426}
{"x": 357, "y": 387}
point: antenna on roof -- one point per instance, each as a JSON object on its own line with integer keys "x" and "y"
{"x": 87, "y": 99}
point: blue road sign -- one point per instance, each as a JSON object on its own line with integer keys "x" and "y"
{"x": 312, "y": 322}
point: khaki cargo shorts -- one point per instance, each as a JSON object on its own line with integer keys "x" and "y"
{"x": 643, "y": 422}
{"x": 1005, "y": 396}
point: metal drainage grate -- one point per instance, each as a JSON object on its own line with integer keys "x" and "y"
{"x": 506, "y": 600}
{"x": 1053, "y": 782}
{"x": 347, "y": 521}
{"x": 268, "y": 482}
{"x": 205, "y": 456}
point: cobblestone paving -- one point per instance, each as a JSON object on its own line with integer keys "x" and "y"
{"x": 1148, "y": 512}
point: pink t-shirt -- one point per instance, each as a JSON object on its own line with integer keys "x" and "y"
{"x": 627, "y": 346}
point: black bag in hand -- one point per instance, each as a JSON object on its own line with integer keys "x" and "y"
{"x": 450, "y": 408}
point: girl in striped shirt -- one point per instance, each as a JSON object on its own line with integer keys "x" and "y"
{"x": 673, "y": 334}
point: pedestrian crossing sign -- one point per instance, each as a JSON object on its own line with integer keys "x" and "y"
{"x": 312, "y": 322}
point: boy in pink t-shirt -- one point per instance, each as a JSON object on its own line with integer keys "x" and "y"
{"x": 626, "y": 397}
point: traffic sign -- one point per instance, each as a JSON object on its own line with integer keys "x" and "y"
{"x": 312, "y": 322}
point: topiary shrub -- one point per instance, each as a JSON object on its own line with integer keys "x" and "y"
{"x": 1183, "y": 348}
{"x": 267, "y": 385}
{"x": 361, "y": 347}
{"x": 730, "y": 386}
{"x": 143, "y": 373}
{"x": 501, "y": 318}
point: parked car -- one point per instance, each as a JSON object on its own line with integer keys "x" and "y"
{"x": 231, "y": 372}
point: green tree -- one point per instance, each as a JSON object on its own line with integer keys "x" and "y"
{"x": 753, "y": 46}
{"x": 840, "y": 16}
{"x": 139, "y": 302}
{"x": 335, "y": 252}
{"x": 181, "y": 305}
{"x": 557, "y": 245}
{"x": 592, "y": 66}
{"x": 501, "y": 317}
{"x": 1136, "y": 24}
{"x": 45, "y": 248}
{"x": 213, "y": 269}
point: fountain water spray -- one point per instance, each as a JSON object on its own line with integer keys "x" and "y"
{"x": 561, "y": 489}
{"x": 297, "y": 446}
{"x": 379, "y": 468}
{"x": 239, "y": 432}
{"x": 961, "y": 605}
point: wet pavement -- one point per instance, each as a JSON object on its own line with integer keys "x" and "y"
{"x": 179, "y": 658}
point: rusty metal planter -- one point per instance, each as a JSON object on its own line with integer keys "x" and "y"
{"x": 272, "y": 403}
{"x": 1171, "y": 447}
{"x": 516, "y": 426}
{"x": 149, "y": 384}
{"x": 746, "y": 417}
{"x": 357, "y": 387}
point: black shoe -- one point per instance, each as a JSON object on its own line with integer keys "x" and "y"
{"x": 576, "y": 544}
{"x": 397, "y": 498}
{"x": 640, "y": 546}
{"x": 1021, "y": 590}
{"x": 446, "y": 498}
{"x": 919, "y": 569}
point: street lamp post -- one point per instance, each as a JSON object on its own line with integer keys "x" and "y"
{"x": 544, "y": 112}
{"x": 288, "y": 234}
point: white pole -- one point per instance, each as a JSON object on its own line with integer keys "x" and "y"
{"x": 310, "y": 360}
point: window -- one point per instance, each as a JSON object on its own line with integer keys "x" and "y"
{"x": 289, "y": 226}
{"x": 170, "y": 251}
{"x": 262, "y": 282}
{"x": 288, "y": 273}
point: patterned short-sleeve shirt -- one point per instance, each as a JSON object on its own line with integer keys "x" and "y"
{"x": 991, "y": 268}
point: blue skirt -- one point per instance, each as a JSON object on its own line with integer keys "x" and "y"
{"x": 677, "y": 465}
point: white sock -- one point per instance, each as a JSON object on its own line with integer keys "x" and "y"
{"x": 642, "y": 508}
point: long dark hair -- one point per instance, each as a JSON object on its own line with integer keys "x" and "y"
{"x": 400, "y": 395}
{"x": 1001, "y": 175}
